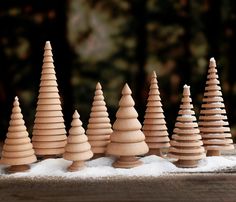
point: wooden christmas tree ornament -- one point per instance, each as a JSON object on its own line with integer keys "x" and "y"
{"x": 77, "y": 148}
{"x": 127, "y": 139}
{"x": 213, "y": 123}
{"x": 17, "y": 150}
{"x": 186, "y": 144}
{"x": 49, "y": 134}
{"x": 154, "y": 126}
{"x": 99, "y": 127}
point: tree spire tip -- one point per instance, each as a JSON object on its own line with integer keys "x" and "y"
{"x": 212, "y": 62}
{"x": 47, "y": 46}
{"x": 186, "y": 91}
{"x": 98, "y": 86}
{"x": 126, "y": 90}
{"x": 76, "y": 114}
{"x": 154, "y": 75}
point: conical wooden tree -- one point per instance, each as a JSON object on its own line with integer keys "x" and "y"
{"x": 186, "y": 144}
{"x": 77, "y": 148}
{"x": 213, "y": 123}
{"x": 127, "y": 139}
{"x": 17, "y": 150}
{"x": 154, "y": 125}
{"x": 99, "y": 127}
{"x": 49, "y": 134}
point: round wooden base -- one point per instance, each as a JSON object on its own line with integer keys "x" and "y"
{"x": 17, "y": 168}
{"x": 53, "y": 156}
{"x": 126, "y": 162}
{"x": 186, "y": 163}
{"x": 213, "y": 153}
{"x": 95, "y": 156}
{"x": 154, "y": 152}
{"x": 75, "y": 166}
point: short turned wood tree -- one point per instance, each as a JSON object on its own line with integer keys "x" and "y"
{"x": 77, "y": 148}
{"x": 17, "y": 150}
{"x": 186, "y": 144}
{"x": 49, "y": 134}
{"x": 127, "y": 139}
{"x": 99, "y": 127}
{"x": 213, "y": 123}
{"x": 154, "y": 125}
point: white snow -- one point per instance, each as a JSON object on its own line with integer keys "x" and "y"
{"x": 152, "y": 166}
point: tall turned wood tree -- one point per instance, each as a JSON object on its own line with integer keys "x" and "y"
{"x": 213, "y": 123}
{"x": 77, "y": 148}
{"x": 49, "y": 134}
{"x": 99, "y": 127}
{"x": 17, "y": 150}
{"x": 186, "y": 144}
{"x": 154, "y": 125}
{"x": 127, "y": 139}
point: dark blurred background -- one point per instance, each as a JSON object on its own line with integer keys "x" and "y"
{"x": 115, "y": 41}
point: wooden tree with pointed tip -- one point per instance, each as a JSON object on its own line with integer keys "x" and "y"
{"x": 186, "y": 144}
{"x": 49, "y": 134}
{"x": 99, "y": 127}
{"x": 77, "y": 148}
{"x": 127, "y": 139}
{"x": 154, "y": 125}
{"x": 213, "y": 123}
{"x": 17, "y": 150}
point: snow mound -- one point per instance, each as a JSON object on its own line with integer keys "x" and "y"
{"x": 102, "y": 167}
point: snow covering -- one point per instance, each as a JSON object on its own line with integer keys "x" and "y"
{"x": 101, "y": 167}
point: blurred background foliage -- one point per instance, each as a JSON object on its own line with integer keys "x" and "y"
{"x": 114, "y": 42}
